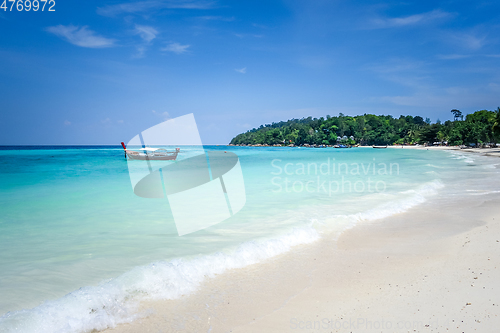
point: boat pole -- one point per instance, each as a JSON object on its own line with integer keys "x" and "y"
{"x": 124, "y": 150}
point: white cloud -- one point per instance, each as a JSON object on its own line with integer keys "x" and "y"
{"x": 145, "y": 6}
{"x": 409, "y": 20}
{"x": 242, "y": 70}
{"x": 469, "y": 41}
{"x": 80, "y": 36}
{"x": 163, "y": 115}
{"x": 175, "y": 48}
{"x": 147, "y": 33}
{"x": 67, "y": 123}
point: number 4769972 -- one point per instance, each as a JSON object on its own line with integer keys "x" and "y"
{"x": 27, "y": 5}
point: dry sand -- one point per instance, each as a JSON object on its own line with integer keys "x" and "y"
{"x": 435, "y": 268}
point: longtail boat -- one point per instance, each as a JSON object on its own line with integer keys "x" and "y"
{"x": 148, "y": 153}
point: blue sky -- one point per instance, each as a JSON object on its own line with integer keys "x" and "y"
{"x": 99, "y": 72}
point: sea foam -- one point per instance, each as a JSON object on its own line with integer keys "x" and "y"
{"x": 116, "y": 301}
{"x": 411, "y": 198}
{"x": 416, "y": 198}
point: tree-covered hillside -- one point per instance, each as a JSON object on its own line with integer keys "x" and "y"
{"x": 478, "y": 128}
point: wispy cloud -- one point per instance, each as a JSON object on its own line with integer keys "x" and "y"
{"x": 217, "y": 18}
{"x": 80, "y": 36}
{"x": 241, "y": 70}
{"x": 151, "y": 5}
{"x": 67, "y": 123}
{"x": 163, "y": 115}
{"x": 398, "y": 65}
{"x": 175, "y": 48}
{"x": 406, "y": 72}
{"x": 409, "y": 20}
{"x": 467, "y": 97}
{"x": 147, "y": 33}
{"x": 494, "y": 86}
{"x": 141, "y": 51}
{"x": 248, "y": 35}
{"x": 469, "y": 41}
{"x": 453, "y": 56}
{"x": 260, "y": 26}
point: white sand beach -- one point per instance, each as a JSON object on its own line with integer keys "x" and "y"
{"x": 434, "y": 268}
{"x": 482, "y": 151}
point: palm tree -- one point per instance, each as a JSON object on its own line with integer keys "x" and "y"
{"x": 496, "y": 125}
{"x": 412, "y": 133}
{"x": 457, "y": 114}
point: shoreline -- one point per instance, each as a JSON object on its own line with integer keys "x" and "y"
{"x": 482, "y": 151}
{"x": 431, "y": 269}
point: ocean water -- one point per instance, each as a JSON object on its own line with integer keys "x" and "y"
{"x": 78, "y": 250}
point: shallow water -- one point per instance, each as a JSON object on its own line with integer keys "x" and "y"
{"x": 78, "y": 249}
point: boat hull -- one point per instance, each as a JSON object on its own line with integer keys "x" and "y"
{"x": 144, "y": 157}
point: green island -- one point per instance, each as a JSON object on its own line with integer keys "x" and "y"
{"x": 480, "y": 129}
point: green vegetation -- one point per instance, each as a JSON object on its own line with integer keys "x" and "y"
{"x": 478, "y": 128}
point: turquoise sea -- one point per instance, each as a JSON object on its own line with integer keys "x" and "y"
{"x": 79, "y": 250}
